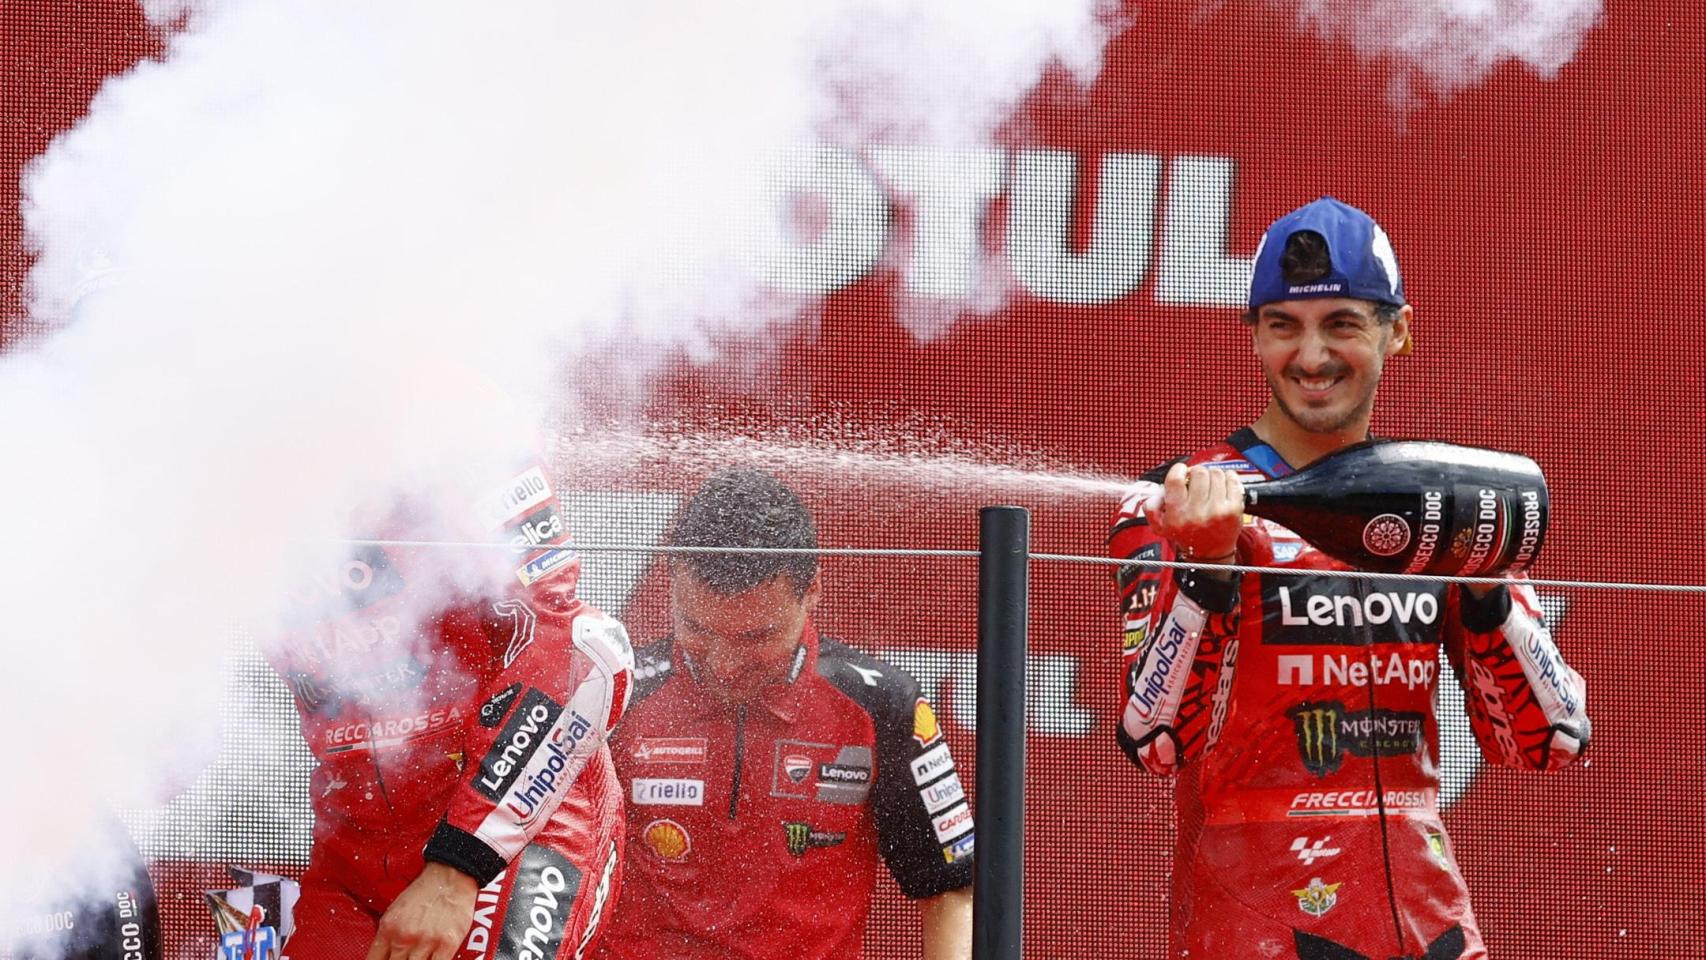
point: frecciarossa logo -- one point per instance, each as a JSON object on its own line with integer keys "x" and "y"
{"x": 1342, "y": 611}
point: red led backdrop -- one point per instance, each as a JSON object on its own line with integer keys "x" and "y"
{"x": 1550, "y": 233}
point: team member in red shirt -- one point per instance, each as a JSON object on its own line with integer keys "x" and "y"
{"x": 1296, "y": 709}
{"x": 465, "y": 804}
{"x": 767, "y": 767}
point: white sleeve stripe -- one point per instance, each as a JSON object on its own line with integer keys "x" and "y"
{"x": 552, "y": 770}
{"x": 1158, "y": 684}
{"x": 1558, "y": 689}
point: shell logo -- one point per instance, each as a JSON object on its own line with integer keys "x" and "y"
{"x": 925, "y": 729}
{"x": 668, "y": 840}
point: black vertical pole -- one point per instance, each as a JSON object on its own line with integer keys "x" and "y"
{"x": 1003, "y": 614}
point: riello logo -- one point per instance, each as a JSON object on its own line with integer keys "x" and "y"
{"x": 1150, "y": 217}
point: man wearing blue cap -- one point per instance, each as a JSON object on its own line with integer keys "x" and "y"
{"x": 1296, "y": 709}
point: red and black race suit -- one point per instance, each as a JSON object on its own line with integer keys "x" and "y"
{"x": 1297, "y": 711}
{"x": 754, "y": 830}
{"x": 477, "y": 740}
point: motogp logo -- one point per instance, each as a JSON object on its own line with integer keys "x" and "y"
{"x": 1311, "y": 852}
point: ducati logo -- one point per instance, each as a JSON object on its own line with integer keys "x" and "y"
{"x": 796, "y": 767}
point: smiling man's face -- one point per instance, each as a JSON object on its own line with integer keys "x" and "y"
{"x": 1323, "y": 358}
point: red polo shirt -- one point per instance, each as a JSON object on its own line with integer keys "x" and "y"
{"x": 754, "y": 830}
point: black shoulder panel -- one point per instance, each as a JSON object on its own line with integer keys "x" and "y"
{"x": 924, "y": 825}
{"x": 885, "y": 691}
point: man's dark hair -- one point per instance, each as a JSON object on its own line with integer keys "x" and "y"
{"x": 746, "y": 508}
{"x": 1305, "y": 260}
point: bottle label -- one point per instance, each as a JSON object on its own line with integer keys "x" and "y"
{"x": 1386, "y": 535}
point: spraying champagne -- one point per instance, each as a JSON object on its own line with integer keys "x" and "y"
{"x": 1414, "y": 507}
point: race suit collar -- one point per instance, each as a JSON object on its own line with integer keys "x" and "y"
{"x": 1260, "y": 455}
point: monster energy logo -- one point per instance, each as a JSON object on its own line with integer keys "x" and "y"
{"x": 801, "y": 837}
{"x": 1326, "y": 730}
{"x": 1318, "y": 737}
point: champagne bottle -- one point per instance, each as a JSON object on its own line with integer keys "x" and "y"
{"x": 1413, "y": 507}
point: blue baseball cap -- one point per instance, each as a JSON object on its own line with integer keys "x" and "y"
{"x": 1363, "y": 264}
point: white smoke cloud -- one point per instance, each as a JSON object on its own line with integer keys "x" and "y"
{"x": 1449, "y": 45}
{"x": 284, "y": 266}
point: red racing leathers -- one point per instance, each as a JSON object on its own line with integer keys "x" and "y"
{"x": 1297, "y": 712}
{"x": 476, "y": 740}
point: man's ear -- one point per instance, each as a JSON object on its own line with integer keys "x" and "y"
{"x": 1403, "y": 339}
{"x": 814, "y": 592}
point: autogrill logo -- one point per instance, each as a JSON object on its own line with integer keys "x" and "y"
{"x": 671, "y": 750}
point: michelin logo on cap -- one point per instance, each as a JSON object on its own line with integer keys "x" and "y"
{"x": 1364, "y": 266}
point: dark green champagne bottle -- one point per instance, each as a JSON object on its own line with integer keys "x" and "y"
{"x": 1413, "y": 507}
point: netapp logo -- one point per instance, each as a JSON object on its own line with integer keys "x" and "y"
{"x": 539, "y": 905}
{"x": 1299, "y": 670}
{"x": 516, "y": 742}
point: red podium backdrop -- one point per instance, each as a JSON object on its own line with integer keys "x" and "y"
{"x": 1551, "y": 235}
